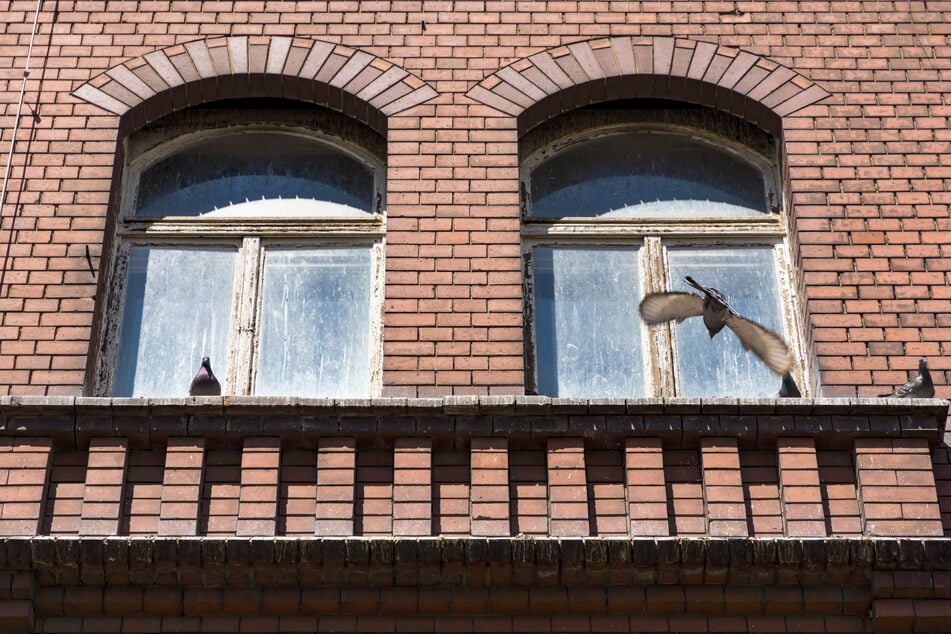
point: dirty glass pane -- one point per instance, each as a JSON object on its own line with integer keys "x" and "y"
{"x": 177, "y": 309}
{"x": 721, "y": 367}
{"x": 256, "y": 174}
{"x": 646, "y": 174}
{"x": 587, "y": 334}
{"x": 315, "y": 322}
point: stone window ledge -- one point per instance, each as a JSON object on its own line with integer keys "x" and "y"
{"x": 451, "y": 422}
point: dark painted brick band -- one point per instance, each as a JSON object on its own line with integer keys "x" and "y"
{"x": 527, "y": 422}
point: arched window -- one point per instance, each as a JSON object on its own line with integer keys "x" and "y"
{"x": 646, "y": 174}
{"x": 632, "y": 207}
{"x": 257, "y": 245}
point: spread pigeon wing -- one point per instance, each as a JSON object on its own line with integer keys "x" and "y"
{"x": 661, "y": 307}
{"x": 766, "y": 344}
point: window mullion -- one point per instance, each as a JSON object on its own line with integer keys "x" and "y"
{"x": 659, "y": 337}
{"x": 247, "y": 285}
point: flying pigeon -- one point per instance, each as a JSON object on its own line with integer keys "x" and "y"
{"x": 766, "y": 344}
{"x": 205, "y": 383}
{"x": 919, "y": 387}
{"x": 789, "y": 388}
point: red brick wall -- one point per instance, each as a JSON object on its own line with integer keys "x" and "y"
{"x": 857, "y": 95}
{"x": 866, "y": 167}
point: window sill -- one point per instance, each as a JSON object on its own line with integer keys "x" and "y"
{"x": 526, "y": 421}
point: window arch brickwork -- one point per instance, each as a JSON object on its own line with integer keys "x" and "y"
{"x": 553, "y": 81}
{"x": 351, "y": 81}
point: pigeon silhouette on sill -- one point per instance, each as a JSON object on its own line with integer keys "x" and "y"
{"x": 205, "y": 383}
{"x": 766, "y": 344}
{"x": 789, "y": 388}
{"x": 919, "y": 387}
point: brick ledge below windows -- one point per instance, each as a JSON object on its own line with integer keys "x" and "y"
{"x": 527, "y": 421}
{"x": 479, "y": 467}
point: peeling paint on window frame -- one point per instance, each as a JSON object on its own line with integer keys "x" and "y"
{"x": 652, "y": 236}
{"x": 250, "y": 236}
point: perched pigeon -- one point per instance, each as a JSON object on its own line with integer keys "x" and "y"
{"x": 789, "y": 388}
{"x": 205, "y": 383}
{"x": 766, "y": 344}
{"x": 919, "y": 387}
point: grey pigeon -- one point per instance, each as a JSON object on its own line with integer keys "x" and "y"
{"x": 789, "y": 388}
{"x": 205, "y": 383}
{"x": 766, "y": 344}
{"x": 919, "y": 387}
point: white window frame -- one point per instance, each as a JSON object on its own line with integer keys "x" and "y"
{"x": 251, "y": 236}
{"x": 653, "y": 236}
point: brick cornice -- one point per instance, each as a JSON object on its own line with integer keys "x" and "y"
{"x": 434, "y": 561}
{"x": 556, "y": 80}
{"x": 871, "y": 585}
{"x": 352, "y": 81}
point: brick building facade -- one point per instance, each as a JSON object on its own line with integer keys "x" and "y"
{"x": 452, "y": 480}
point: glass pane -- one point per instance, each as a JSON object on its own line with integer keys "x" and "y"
{"x": 646, "y": 174}
{"x": 255, "y": 174}
{"x": 721, "y": 367}
{"x": 315, "y": 323}
{"x": 177, "y": 309}
{"x": 587, "y": 333}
